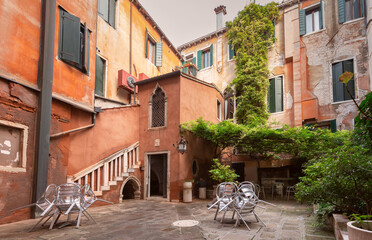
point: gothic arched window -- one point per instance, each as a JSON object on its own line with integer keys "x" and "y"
{"x": 158, "y": 108}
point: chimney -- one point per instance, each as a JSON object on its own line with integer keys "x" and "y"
{"x": 220, "y": 11}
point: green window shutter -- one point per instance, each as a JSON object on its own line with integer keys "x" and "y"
{"x": 111, "y": 20}
{"x": 100, "y": 71}
{"x": 184, "y": 69}
{"x": 231, "y": 51}
{"x": 194, "y": 60}
{"x": 158, "y": 54}
{"x": 103, "y": 9}
{"x": 274, "y": 30}
{"x": 302, "y": 21}
{"x": 338, "y": 87}
{"x": 146, "y": 43}
{"x": 211, "y": 55}
{"x": 69, "y": 38}
{"x": 200, "y": 58}
{"x": 362, "y": 8}
{"x": 271, "y": 96}
{"x": 321, "y": 15}
{"x": 348, "y": 66}
{"x": 85, "y": 62}
{"x": 333, "y": 126}
{"x": 341, "y": 11}
{"x": 278, "y": 94}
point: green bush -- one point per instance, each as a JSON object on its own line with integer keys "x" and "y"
{"x": 222, "y": 173}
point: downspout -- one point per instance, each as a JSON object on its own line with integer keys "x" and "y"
{"x": 45, "y": 81}
{"x": 76, "y": 129}
{"x": 130, "y": 48}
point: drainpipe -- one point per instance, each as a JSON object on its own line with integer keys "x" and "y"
{"x": 130, "y": 48}
{"x": 77, "y": 129}
{"x": 45, "y": 81}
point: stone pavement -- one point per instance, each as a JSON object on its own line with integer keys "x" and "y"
{"x": 141, "y": 219}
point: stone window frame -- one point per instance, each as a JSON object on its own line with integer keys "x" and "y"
{"x": 23, "y": 147}
{"x": 165, "y": 108}
{"x": 356, "y": 83}
{"x": 219, "y": 110}
{"x": 283, "y": 92}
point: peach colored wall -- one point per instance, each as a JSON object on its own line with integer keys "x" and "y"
{"x": 201, "y": 101}
{"x": 20, "y": 40}
{"x": 67, "y": 80}
{"x": 118, "y": 57}
{"x": 115, "y": 129}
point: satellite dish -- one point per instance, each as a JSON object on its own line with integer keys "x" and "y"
{"x": 131, "y": 81}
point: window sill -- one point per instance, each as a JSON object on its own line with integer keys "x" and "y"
{"x": 156, "y": 128}
{"x": 207, "y": 68}
{"x": 106, "y": 22}
{"x": 231, "y": 60}
{"x": 319, "y": 31}
{"x": 354, "y": 20}
{"x": 346, "y": 101}
{"x": 151, "y": 62}
{"x": 277, "y": 113}
{"x": 12, "y": 169}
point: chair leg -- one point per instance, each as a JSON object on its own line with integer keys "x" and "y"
{"x": 259, "y": 219}
{"x": 36, "y": 224}
{"x": 78, "y": 219}
{"x": 215, "y": 215}
{"x": 89, "y": 216}
{"x": 241, "y": 217}
{"x": 54, "y": 219}
{"x": 46, "y": 221}
{"x": 233, "y": 215}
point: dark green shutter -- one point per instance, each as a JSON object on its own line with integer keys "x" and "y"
{"x": 274, "y": 30}
{"x": 348, "y": 66}
{"x": 100, "y": 71}
{"x": 302, "y": 21}
{"x": 200, "y": 59}
{"x": 341, "y": 11}
{"x": 231, "y": 51}
{"x": 333, "y": 126}
{"x": 338, "y": 87}
{"x": 158, "y": 54}
{"x": 194, "y": 60}
{"x": 278, "y": 94}
{"x": 321, "y": 15}
{"x": 211, "y": 55}
{"x": 111, "y": 20}
{"x": 271, "y": 96}
{"x": 146, "y": 43}
{"x": 362, "y": 8}
{"x": 69, "y": 39}
{"x": 184, "y": 69}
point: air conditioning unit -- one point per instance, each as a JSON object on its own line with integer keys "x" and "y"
{"x": 126, "y": 81}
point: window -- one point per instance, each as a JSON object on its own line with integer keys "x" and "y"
{"x": 73, "y": 41}
{"x": 229, "y": 106}
{"x": 350, "y": 9}
{"x": 218, "y": 110}
{"x": 205, "y": 58}
{"x": 275, "y": 95}
{"x": 158, "y": 108}
{"x": 311, "y": 19}
{"x": 190, "y": 58}
{"x": 339, "y": 91}
{"x": 153, "y": 50}
{"x": 106, "y": 10}
{"x": 13, "y": 146}
{"x": 231, "y": 51}
{"x": 100, "y": 76}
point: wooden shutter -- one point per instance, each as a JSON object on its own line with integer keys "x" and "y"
{"x": 146, "y": 43}
{"x": 321, "y": 15}
{"x": 200, "y": 59}
{"x": 271, "y": 96}
{"x": 85, "y": 62}
{"x": 158, "y": 54}
{"x": 333, "y": 125}
{"x": 100, "y": 71}
{"x": 103, "y": 9}
{"x": 362, "y": 9}
{"x": 341, "y": 11}
{"x": 338, "y": 87}
{"x": 111, "y": 20}
{"x": 302, "y": 21}
{"x": 231, "y": 51}
{"x": 348, "y": 66}
{"x": 69, "y": 39}
{"x": 194, "y": 60}
{"x": 211, "y": 55}
{"x": 184, "y": 69}
{"x": 278, "y": 94}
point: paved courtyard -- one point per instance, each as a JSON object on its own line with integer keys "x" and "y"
{"x": 141, "y": 219}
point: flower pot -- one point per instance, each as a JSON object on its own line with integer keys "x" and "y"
{"x": 357, "y": 233}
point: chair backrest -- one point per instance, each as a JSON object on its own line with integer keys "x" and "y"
{"x": 47, "y": 198}
{"x": 226, "y": 189}
{"x": 247, "y": 188}
{"x": 68, "y": 193}
{"x": 88, "y": 195}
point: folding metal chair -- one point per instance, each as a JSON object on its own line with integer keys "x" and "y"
{"x": 225, "y": 193}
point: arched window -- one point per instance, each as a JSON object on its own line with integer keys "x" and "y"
{"x": 158, "y": 108}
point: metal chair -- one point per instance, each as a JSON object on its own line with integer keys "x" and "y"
{"x": 259, "y": 190}
{"x": 290, "y": 189}
{"x": 45, "y": 203}
{"x": 225, "y": 194}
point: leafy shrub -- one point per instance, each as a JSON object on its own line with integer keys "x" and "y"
{"x": 221, "y": 172}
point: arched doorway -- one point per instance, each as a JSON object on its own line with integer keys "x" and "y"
{"x": 130, "y": 189}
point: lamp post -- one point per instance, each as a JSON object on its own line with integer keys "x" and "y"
{"x": 181, "y": 146}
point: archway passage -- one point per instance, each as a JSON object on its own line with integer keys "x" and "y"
{"x": 131, "y": 190}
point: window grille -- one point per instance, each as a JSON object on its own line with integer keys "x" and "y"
{"x": 158, "y": 108}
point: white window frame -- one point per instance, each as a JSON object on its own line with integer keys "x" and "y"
{"x": 323, "y": 17}
{"x": 105, "y": 75}
{"x": 190, "y": 54}
{"x": 203, "y": 49}
{"x": 218, "y": 109}
{"x": 23, "y": 147}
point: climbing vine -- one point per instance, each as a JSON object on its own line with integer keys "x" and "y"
{"x": 250, "y": 34}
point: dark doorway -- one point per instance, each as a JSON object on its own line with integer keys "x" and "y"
{"x": 158, "y": 175}
{"x": 128, "y": 190}
{"x": 239, "y": 169}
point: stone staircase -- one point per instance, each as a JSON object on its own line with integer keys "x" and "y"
{"x": 107, "y": 172}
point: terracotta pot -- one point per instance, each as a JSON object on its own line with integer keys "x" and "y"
{"x": 356, "y": 233}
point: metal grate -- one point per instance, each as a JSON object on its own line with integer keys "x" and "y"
{"x": 158, "y": 108}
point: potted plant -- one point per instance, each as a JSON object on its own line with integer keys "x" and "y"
{"x": 222, "y": 173}
{"x": 360, "y": 228}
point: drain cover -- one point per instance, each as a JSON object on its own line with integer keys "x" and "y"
{"x": 185, "y": 223}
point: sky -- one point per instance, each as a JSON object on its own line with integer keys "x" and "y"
{"x": 185, "y": 20}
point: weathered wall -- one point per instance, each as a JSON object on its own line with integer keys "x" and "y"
{"x": 369, "y": 36}
{"x": 221, "y": 73}
{"x": 118, "y": 57}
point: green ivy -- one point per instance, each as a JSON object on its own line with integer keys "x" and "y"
{"x": 250, "y": 34}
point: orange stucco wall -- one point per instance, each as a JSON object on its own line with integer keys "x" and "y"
{"x": 118, "y": 57}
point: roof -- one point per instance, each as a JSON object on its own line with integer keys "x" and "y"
{"x": 147, "y": 16}
{"x": 202, "y": 39}
{"x": 177, "y": 74}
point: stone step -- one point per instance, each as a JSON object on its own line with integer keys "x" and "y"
{"x": 119, "y": 178}
{"x": 105, "y": 188}
{"x": 112, "y": 183}
{"x": 98, "y": 193}
{"x": 130, "y": 170}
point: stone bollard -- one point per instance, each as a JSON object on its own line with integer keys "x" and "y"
{"x": 187, "y": 192}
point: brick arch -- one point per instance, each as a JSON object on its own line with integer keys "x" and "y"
{"x": 137, "y": 187}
